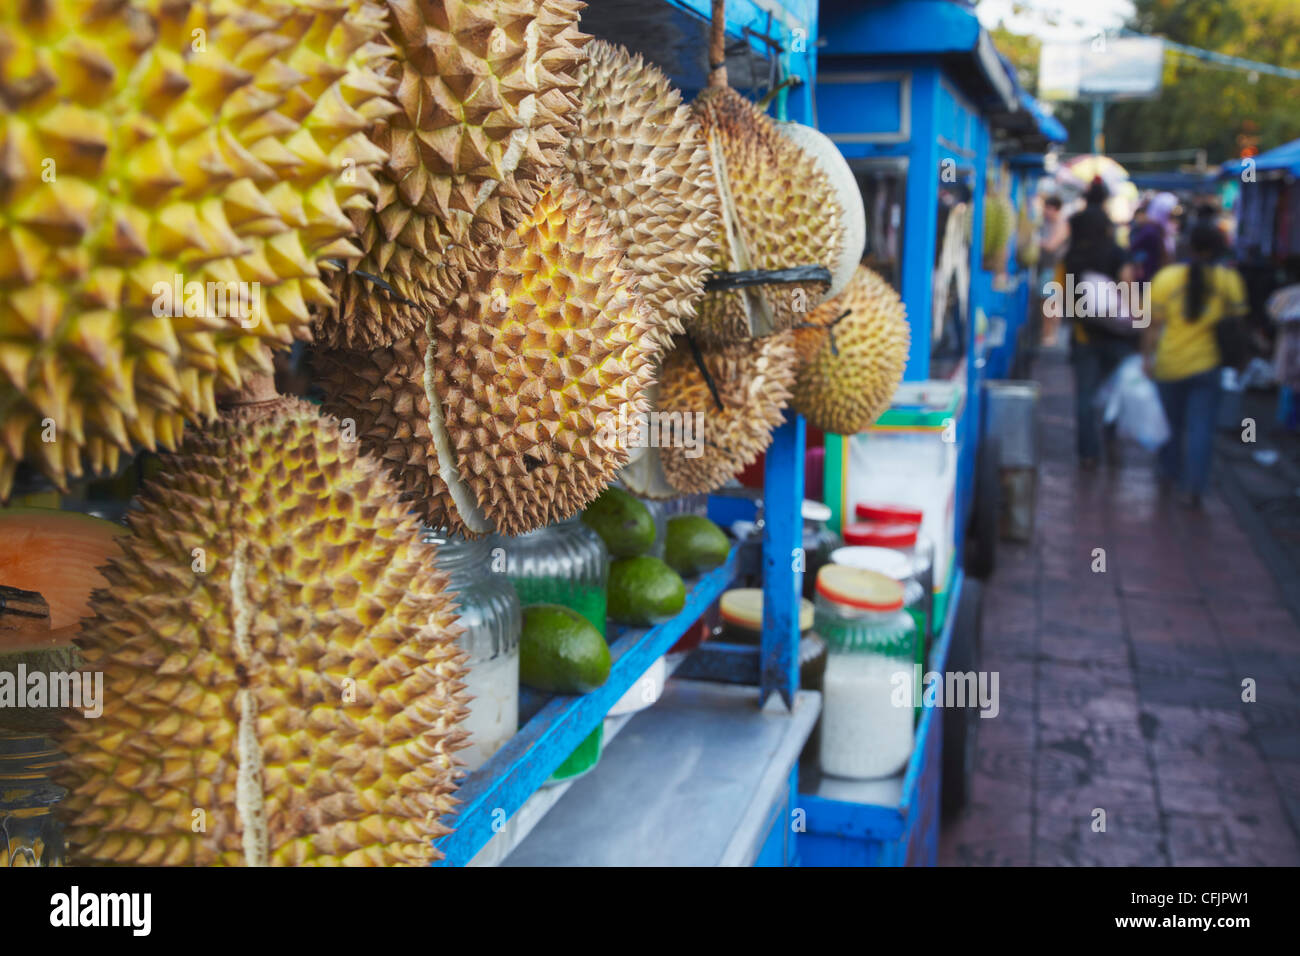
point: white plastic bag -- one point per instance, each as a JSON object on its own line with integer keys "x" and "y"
{"x": 1130, "y": 400}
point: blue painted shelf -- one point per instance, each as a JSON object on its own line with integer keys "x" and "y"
{"x": 493, "y": 793}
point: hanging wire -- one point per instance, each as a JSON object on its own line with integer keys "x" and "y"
{"x": 698, "y": 356}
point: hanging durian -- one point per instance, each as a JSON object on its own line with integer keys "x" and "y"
{"x": 278, "y": 647}
{"x": 1028, "y": 249}
{"x": 172, "y": 174}
{"x": 778, "y": 211}
{"x": 640, "y": 155}
{"x": 502, "y": 414}
{"x": 485, "y": 97}
{"x": 999, "y": 221}
{"x": 736, "y": 393}
{"x": 851, "y": 356}
{"x": 852, "y": 214}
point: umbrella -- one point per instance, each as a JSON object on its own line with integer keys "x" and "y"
{"x": 1082, "y": 170}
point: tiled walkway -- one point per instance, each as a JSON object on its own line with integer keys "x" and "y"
{"x": 1122, "y": 691}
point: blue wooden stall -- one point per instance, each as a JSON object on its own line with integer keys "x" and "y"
{"x": 710, "y": 775}
{"x": 914, "y": 89}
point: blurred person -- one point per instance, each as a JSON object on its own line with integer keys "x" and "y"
{"x": 1095, "y": 352}
{"x": 1181, "y": 352}
{"x": 1151, "y": 244}
{"x": 1054, "y": 235}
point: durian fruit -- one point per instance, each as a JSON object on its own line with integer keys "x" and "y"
{"x": 999, "y": 221}
{"x": 852, "y": 356}
{"x": 735, "y": 395}
{"x": 171, "y": 174}
{"x": 282, "y": 684}
{"x": 640, "y": 155}
{"x": 779, "y": 210}
{"x": 852, "y": 212}
{"x": 1028, "y": 249}
{"x": 485, "y": 91}
{"x": 503, "y": 413}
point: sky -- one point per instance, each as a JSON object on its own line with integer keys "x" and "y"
{"x": 1074, "y": 19}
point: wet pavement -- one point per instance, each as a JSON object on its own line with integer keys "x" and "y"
{"x": 1123, "y": 737}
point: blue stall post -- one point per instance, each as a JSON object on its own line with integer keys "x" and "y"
{"x": 783, "y": 560}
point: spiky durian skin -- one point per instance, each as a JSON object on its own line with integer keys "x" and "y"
{"x": 999, "y": 220}
{"x": 309, "y": 645}
{"x": 527, "y": 367}
{"x": 141, "y": 141}
{"x": 485, "y": 91}
{"x": 640, "y": 154}
{"x": 779, "y": 210}
{"x": 753, "y": 381}
{"x": 844, "y": 387}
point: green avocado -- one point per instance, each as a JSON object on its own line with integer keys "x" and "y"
{"x": 623, "y": 523}
{"x": 694, "y": 545}
{"x": 644, "y": 591}
{"x": 560, "y": 651}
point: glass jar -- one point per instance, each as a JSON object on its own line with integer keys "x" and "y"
{"x": 741, "y": 611}
{"x": 492, "y": 619}
{"x": 906, "y": 538}
{"x": 564, "y": 563}
{"x": 896, "y": 565}
{"x": 697, "y": 504}
{"x": 30, "y": 834}
{"x": 866, "y": 728}
{"x": 818, "y": 543}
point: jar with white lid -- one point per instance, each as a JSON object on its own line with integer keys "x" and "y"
{"x": 867, "y": 725}
{"x": 491, "y": 617}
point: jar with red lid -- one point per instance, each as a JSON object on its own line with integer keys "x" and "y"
{"x": 888, "y": 513}
{"x": 867, "y": 698}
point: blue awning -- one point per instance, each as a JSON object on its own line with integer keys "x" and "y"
{"x": 1284, "y": 158}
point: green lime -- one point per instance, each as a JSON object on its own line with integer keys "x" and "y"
{"x": 623, "y": 523}
{"x": 694, "y": 545}
{"x": 644, "y": 591}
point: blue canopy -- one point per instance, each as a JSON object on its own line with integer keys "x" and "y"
{"x": 1053, "y": 129}
{"x": 1285, "y": 157}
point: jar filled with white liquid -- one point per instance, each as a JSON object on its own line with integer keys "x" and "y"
{"x": 491, "y": 618}
{"x": 866, "y": 724}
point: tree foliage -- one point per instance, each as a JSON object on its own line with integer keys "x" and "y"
{"x": 1200, "y": 105}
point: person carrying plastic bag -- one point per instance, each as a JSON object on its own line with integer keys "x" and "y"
{"x": 1131, "y": 403}
{"x": 1181, "y": 351}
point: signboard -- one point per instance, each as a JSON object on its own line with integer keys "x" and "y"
{"x": 1116, "y": 68}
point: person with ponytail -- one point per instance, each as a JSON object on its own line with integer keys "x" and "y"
{"x": 1181, "y": 353}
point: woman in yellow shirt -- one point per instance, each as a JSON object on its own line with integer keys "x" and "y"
{"x": 1182, "y": 354}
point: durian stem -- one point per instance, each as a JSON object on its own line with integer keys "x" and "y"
{"x": 258, "y": 388}
{"x": 718, "y": 45}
